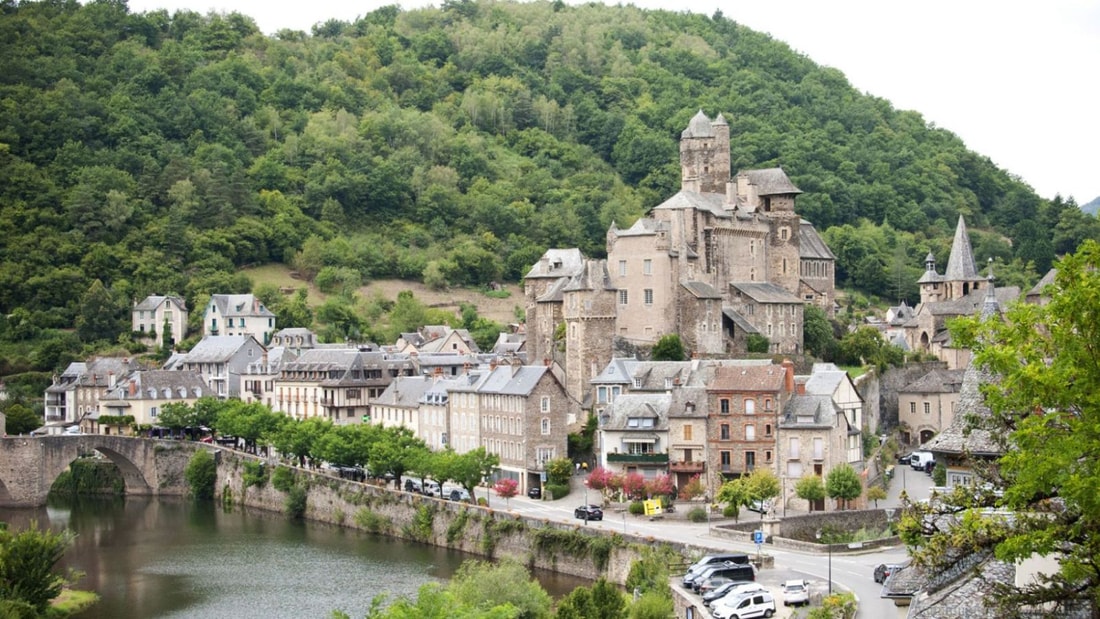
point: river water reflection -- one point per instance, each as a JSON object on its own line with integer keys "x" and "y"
{"x": 173, "y": 558}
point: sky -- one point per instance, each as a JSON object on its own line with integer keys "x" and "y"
{"x": 1018, "y": 81}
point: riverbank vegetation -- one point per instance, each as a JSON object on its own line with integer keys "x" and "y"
{"x": 90, "y": 475}
{"x": 29, "y": 578}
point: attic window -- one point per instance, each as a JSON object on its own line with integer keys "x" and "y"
{"x": 640, "y": 422}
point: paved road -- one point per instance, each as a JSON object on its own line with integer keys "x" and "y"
{"x": 849, "y": 571}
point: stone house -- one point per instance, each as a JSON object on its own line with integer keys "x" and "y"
{"x": 157, "y": 315}
{"x": 687, "y": 436}
{"x": 143, "y": 394}
{"x": 400, "y": 405}
{"x": 76, "y": 392}
{"x": 828, "y": 380}
{"x": 437, "y": 339}
{"x": 221, "y": 360}
{"x": 927, "y": 405}
{"x": 238, "y": 314}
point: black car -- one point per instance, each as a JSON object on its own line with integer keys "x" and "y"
{"x": 534, "y": 492}
{"x": 883, "y": 571}
{"x": 588, "y": 512}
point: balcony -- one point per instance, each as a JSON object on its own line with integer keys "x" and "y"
{"x": 695, "y": 466}
{"x": 638, "y": 458}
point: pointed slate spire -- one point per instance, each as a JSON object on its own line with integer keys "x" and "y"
{"x": 960, "y": 264}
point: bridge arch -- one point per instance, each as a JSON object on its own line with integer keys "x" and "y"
{"x": 29, "y": 466}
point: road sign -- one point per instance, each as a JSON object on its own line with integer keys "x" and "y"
{"x": 758, "y": 537}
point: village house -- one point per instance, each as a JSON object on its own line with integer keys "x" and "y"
{"x": 437, "y": 339}
{"x": 158, "y": 316}
{"x": 745, "y": 406}
{"x": 221, "y": 360}
{"x": 238, "y": 314}
{"x": 634, "y": 434}
{"x": 927, "y": 405}
{"x": 142, "y": 395}
{"x": 76, "y": 392}
{"x": 295, "y": 339}
{"x": 337, "y": 383}
{"x": 258, "y": 381}
{"x": 400, "y": 406}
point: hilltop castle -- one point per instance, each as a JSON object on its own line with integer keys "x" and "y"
{"x": 722, "y": 259}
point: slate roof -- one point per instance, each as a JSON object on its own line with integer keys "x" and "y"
{"x": 960, "y": 262}
{"x": 240, "y": 305}
{"x": 713, "y": 203}
{"x": 819, "y": 409}
{"x": 825, "y": 379}
{"x": 644, "y": 226}
{"x": 95, "y": 372}
{"x": 700, "y": 126}
{"x": 152, "y": 384}
{"x": 1048, "y": 279}
{"x": 509, "y": 343}
{"x": 638, "y": 405}
{"x": 593, "y": 276}
{"x": 557, "y": 263}
{"x": 810, "y": 244}
{"x": 512, "y": 380}
{"x": 770, "y": 181}
{"x": 216, "y": 348}
{"x": 936, "y": 381}
{"x": 153, "y": 301}
{"x": 701, "y": 290}
{"x": 765, "y": 292}
{"x": 404, "y": 392}
{"x": 739, "y": 321}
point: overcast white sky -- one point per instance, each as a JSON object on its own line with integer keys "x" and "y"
{"x": 1017, "y": 81}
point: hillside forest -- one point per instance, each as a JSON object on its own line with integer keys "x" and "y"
{"x": 164, "y": 153}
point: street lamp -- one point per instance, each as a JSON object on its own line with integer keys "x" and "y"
{"x": 830, "y": 547}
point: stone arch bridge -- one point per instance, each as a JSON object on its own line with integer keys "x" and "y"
{"x": 29, "y": 465}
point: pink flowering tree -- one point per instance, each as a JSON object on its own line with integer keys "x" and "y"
{"x": 634, "y": 486}
{"x": 694, "y": 488}
{"x": 600, "y": 480}
{"x": 659, "y": 486}
{"x": 506, "y": 487}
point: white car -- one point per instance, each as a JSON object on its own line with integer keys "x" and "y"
{"x": 745, "y": 606}
{"x": 796, "y": 593}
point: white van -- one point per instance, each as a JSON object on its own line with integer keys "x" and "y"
{"x": 920, "y": 459}
{"x": 745, "y": 606}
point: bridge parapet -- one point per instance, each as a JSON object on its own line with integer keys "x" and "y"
{"x": 29, "y": 465}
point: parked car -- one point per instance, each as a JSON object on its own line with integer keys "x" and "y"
{"x": 796, "y": 593}
{"x": 883, "y": 571}
{"x": 431, "y": 488}
{"x": 459, "y": 494}
{"x": 534, "y": 492}
{"x": 733, "y": 571}
{"x": 412, "y": 485}
{"x": 903, "y": 458}
{"x": 588, "y": 512}
{"x": 713, "y": 583}
{"x": 733, "y": 587}
{"x": 746, "y": 606}
{"x": 918, "y": 460}
{"x": 760, "y": 507}
{"x": 708, "y": 560}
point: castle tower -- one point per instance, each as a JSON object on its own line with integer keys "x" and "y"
{"x": 961, "y": 276}
{"x": 589, "y": 311}
{"x": 705, "y": 155}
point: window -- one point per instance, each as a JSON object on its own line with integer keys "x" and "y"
{"x": 639, "y": 449}
{"x": 352, "y": 394}
{"x": 819, "y": 449}
{"x": 623, "y": 297}
{"x": 794, "y": 469}
{"x": 724, "y": 458}
{"x": 750, "y": 407}
{"x": 647, "y": 267}
{"x": 768, "y": 456}
{"x": 153, "y": 411}
{"x": 545, "y": 426}
{"x": 622, "y": 268}
{"x": 767, "y": 429}
{"x": 687, "y": 432}
{"x": 783, "y": 234}
{"x": 750, "y": 460}
{"x": 724, "y": 432}
{"x": 544, "y": 404}
{"x": 767, "y": 404}
{"x": 913, "y": 408}
{"x": 793, "y": 449}
{"x": 724, "y": 406}
{"x": 601, "y": 395}
{"x": 927, "y": 408}
{"x": 750, "y": 432}
{"x": 649, "y": 296}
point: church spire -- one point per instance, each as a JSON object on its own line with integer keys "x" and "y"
{"x": 960, "y": 263}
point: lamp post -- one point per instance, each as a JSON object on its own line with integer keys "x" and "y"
{"x": 830, "y": 548}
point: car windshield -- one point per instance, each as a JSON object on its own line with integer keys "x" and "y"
{"x": 794, "y": 587}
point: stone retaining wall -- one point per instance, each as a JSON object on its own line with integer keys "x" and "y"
{"x": 488, "y": 532}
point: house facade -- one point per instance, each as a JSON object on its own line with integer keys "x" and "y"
{"x": 75, "y": 393}
{"x": 143, "y": 394}
{"x": 337, "y": 383}
{"x": 222, "y": 361}
{"x": 927, "y": 405}
{"x": 158, "y": 316}
{"x": 635, "y": 435}
{"x": 238, "y": 314}
{"x": 745, "y": 405}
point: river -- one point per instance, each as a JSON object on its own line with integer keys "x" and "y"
{"x": 173, "y": 558}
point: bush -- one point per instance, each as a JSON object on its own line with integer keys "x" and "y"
{"x": 255, "y": 474}
{"x": 730, "y": 511}
{"x": 283, "y": 478}
{"x": 201, "y": 475}
{"x": 637, "y": 508}
{"x": 296, "y": 502}
{"x": 557, "y": 491}
{"x": 697, "y": 514}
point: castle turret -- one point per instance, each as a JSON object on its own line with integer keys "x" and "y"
{"x": 705, "y": 155}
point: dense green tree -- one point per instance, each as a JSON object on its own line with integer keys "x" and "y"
{"x": 28, "y": 566}
{"x": 817, "y": 333}
{"x": 810, "y": 488}
{"x": 603, "y": 600}
{"x": 20, "y": 419}
{"x": 668, "y": 348}
{"x": 100, "y": 316}
{"x": 485, "y": 585}
{"x": 842, "y": 484}
{"x": 1043, "y": 413}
